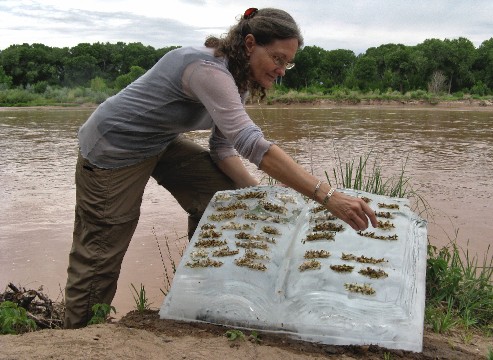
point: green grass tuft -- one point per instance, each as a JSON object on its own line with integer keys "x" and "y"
{"x": 459, "y": 289}
{"x": 141, "y": 301}
{"x": 458, "y": 285}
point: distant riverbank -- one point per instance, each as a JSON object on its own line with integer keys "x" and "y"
{"x": 469, "y": 104}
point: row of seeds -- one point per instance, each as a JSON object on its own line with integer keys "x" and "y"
{"x": 255, "y": 248}
{"x": 325, "y": 229}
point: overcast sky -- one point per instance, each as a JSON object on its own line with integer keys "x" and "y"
{"x": 331, "y": 24}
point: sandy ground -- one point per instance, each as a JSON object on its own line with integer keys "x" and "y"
{"x": 145, "y": 336}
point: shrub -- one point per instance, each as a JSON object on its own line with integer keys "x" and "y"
{"x": 480, "y": 89}
{"x": 16, "y": 97}
{"x": 456, "y": 283}
{"x": 40, "y": 87}
{"x": 98, "y": 84}
{"x": 14, "y": 320}
{"x": 101, "y": 313}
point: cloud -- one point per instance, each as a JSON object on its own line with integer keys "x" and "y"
{"x": 93, "y": 26}
{"x": 337, "y": 24}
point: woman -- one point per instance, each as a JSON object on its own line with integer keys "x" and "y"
{"x": 137, "y": 134}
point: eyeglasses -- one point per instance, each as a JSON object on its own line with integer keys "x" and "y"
{"x": 279, "y": 61}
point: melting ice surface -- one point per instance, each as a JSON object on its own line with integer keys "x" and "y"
{"x": 267, "y": 233}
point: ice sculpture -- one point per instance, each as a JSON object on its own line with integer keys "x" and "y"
{"x": 267, "y": 258}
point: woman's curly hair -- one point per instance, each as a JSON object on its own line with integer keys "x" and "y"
{"x": 266, "y": 25}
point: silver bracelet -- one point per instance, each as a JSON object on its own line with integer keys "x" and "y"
{"x": 316, "y": 189}
{"x": 327, "y": 197}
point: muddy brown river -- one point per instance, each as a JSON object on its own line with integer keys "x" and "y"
{"x": 447, "y": 154}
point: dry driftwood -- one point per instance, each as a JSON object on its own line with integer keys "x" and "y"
{"x": 43, "y": 311}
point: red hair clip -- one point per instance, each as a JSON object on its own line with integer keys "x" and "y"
{"x": 249, "y": 13}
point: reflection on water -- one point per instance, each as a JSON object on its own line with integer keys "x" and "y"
{"x": 446, "y": 154}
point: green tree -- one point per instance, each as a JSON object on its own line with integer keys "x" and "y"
{"x": 364, "y": 75}
{"x": 336, "y": 65}
{"x": 123, "y": 56}
{"x": 389, "y": 66}
{"x": 417, "y": 71}
{"x": 5, "y": 80}
{"x": 136, "y": 54}
{"x": 436, "y": 53}
{"x": 483, "y": 64}
{"x": 307, "y": 71}
{"x": 454, "y": 58}
{"x": 80, "y": 69}
{"x": 394, "y": 66}
{"x": 124, "y": 80}
{"x": 104, "y": 55}
{"x": 29, "y": 64}
{"x": 462, "y": 55}
{"x": 163, "y": 51}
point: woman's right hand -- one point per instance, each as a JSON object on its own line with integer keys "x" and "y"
{"x": 352, "y": 210}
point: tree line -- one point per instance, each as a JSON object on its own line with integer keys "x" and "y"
{"x": 38, "y": 65}
{"x": 435, "y": 65}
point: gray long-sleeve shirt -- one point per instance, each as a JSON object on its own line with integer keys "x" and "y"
{"x": 187, "y": 89}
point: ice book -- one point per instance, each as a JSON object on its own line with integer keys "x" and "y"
{"x": 267, "y": 258}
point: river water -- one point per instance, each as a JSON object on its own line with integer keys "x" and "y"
{"x": 446, "y": 154}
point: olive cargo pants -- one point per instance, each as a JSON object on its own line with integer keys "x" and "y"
{"x": 108, "y": 209}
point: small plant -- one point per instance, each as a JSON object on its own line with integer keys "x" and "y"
{"x": 458, "y": 287}
{"x": 459, "y": 291}
{"x": 255, "y": 337}
{"x": 166, "y": 271}
{"x": 467, "y": 337}
{"x": 14, "y": 320}
{"x": 235, "y": 334}
{"x": 489, "y": 356}
{"x": 363, "y": 176}
{"x": 441, "y": 320}
{"x": 387, "y": 356}
{"x": 140, "y": 298}
{"x": 101, "y": 313}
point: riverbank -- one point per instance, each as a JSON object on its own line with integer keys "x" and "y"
{"x": 469, "y": 104}
{"x": 462, "y": 105}
{"x": 145, "y": 336}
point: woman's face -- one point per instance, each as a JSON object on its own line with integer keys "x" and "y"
{"x": 267, "y": 62}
